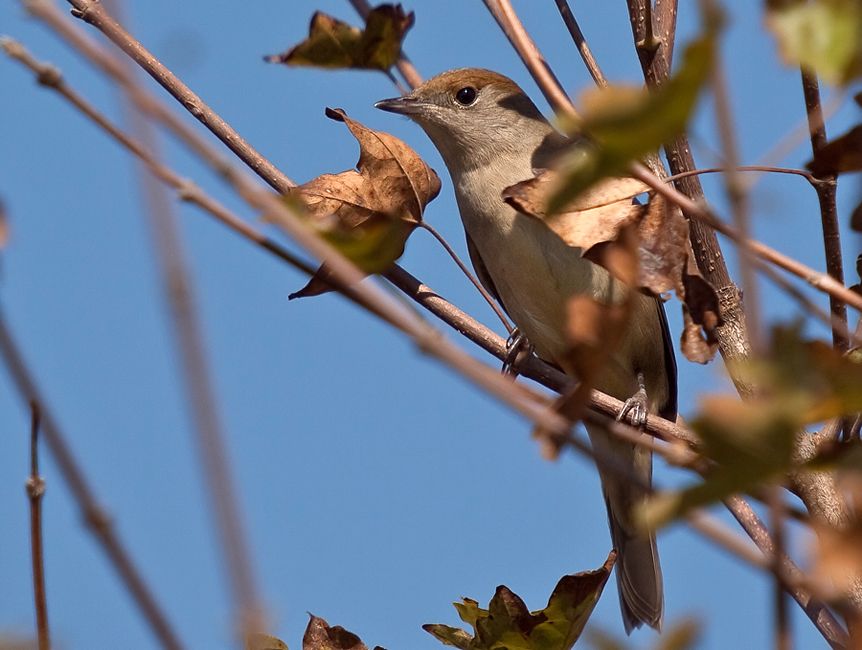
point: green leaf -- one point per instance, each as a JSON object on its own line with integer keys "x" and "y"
{"x": 507, "y": 624}
{"x": 332, "y": 43}
{"x": 623, "y": 124}
{"x": 452, "y": 636}
{"x": 469, "y": 611}
{"x": 822, "y": 35}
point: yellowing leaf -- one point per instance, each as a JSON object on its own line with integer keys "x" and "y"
{"x": 332, "y": 43}
{"x": 508, "y": 624}
{"x": 368, "y": 214}
{"x": 822, "y": 35}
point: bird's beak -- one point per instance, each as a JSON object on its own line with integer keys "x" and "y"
{"x": 406, "y": 105}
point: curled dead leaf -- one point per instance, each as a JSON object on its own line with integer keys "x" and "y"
{"x": 701, "y": 317}
{"x": 332, "y": 43}
{"x": 601, "y": 222}
{"x": 368, "y": 213}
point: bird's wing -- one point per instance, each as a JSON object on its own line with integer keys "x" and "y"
{"x": 669, "y": 410}
{"x": 481, "y": 270}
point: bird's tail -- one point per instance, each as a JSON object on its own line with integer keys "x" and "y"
{"x": 639, "y": 580}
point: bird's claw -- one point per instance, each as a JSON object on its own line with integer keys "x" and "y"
{"x": 637, "y": 406}
{"x": 517, "y": 346}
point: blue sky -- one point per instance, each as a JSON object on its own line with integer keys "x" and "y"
{"x": 376, "y": 486}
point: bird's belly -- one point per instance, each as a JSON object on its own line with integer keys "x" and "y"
{"x": 536, "y": 273}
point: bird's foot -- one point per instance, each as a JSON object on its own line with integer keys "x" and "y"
{"x": 517, "y": 348}
{"x": 636, "y": 405}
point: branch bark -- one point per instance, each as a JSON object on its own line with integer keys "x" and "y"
{"x": 826, "y": 188}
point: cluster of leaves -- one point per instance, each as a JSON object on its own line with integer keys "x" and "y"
{"x": 800, "y": 382}
{"x": 507, "y": 624}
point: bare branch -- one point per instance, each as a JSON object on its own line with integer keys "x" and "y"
{"x": 826, "y": 189}
{"x": 581, "y": 43}
{"x": 35, "y": 491}
{"x": 656, "y": 65}
{"x": 94, "y": 516}
{"x": 508, "y": 21}
{"x": 472, "y": 278}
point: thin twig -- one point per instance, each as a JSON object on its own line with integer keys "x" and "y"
{"x": 815, "y": 610}
{"x": 97, "y": 521}
{"x": 826, "y": 189}
{"x": 179, "y": 294}
{"x": 581, "y": 43}
{"x": 35, "y": 491}
{"x": 472, "y": 278}
{"x": 551, "y": 88}
{"x": 765, "y": 169}
{"x": 783, "y": 635}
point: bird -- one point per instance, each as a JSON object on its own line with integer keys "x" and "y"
{"x": 491, "y": 136}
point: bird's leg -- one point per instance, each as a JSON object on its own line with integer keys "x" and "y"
{"x": 636, "y": 405}
{"x": 517, "y": 346}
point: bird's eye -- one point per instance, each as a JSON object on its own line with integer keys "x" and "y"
{"x": 466, "y": 96}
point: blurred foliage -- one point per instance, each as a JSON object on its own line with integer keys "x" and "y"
{"x": 824, "y": 36}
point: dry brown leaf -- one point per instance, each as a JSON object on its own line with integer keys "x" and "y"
{"x": 701, "y": 317}
{"x": 332, "y": 43}
{"x": 368, "y": 214}
{"x": 597, "y": 221}
{"x": 594, "y": 217}
{"x": 841, "y": 154}
{"x": 319, "y": 636}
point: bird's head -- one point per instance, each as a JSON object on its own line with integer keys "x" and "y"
{"x": 473, "y": 116}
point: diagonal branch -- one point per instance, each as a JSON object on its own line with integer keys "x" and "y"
{"x": 826, "y": 188}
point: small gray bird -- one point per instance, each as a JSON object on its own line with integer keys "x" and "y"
{"x": 491, "y": 136}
